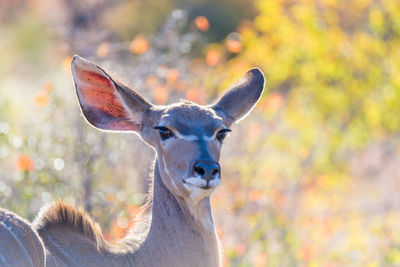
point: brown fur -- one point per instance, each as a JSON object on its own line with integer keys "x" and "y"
{"x": 61, "y": 214}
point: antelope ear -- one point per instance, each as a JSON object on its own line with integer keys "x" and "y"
{"x": 238, "y": 101}
{"x": 106, "y": 104}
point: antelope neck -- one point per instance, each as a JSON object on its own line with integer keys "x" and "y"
{"x": 175, "y": 229}
{"x": 166, "y": 208}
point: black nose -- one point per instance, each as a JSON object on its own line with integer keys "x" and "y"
{"x": 207, "y": 170}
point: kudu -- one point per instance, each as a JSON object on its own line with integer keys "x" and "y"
{"x": 177, "y": 227}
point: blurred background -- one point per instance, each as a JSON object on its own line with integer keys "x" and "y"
{"x": 310, "y": 178}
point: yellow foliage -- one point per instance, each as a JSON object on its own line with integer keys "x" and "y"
{"x": 333, "y": 88}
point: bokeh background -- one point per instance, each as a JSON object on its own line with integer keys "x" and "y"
{"x": 310, "y": 178}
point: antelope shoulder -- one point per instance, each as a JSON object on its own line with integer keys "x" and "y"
{"x": 70, "y": 236}
{"x": 20, "y": 243}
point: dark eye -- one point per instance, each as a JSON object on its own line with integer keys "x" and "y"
{"x": 222, "y": 134}
{"x": 165, "y": 133}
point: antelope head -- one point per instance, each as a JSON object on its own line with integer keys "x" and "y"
{"x": 187, "y": 137}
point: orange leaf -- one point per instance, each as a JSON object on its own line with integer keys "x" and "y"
{"x": 260, "y": 260}
{"x": 172, "y": 76}
{"x": 161, "y": 94}
{"x": 152, "y": 81}
{"x": 278, "y": 197}
{"x": 306, "y": 251}
{"x": 225, "y": 261}
{"x": 180, "y": 86}
{"x": 255, "y": 195}
{"x": 196, "y": 96}
{"x": 24, "y": 163}
{"x": 103, "y": 49}
{"x": 66, "y": 65}
{"x": 202, "y": 23}
{"x": 234, "y": 42}
{"x": 48, "y": 87}
{"x": 274, "y": 101}
{"x": 213, "y": 57}
{"x": 139, "y": 45}
{"x": 234, "y": 46}
{"x": 254, "y": 131}
{"x": 240, "y": 249}
{"x": 42, "y": 97}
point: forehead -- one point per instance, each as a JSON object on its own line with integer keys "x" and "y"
{"x": 190, "y": 118}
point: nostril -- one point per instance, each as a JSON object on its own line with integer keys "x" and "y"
{"x": 215, "y": 172}
{"x": 207, "y": 170}
{"x": 199, "y": 170}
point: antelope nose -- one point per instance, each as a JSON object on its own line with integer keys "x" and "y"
{"x": 207, "y": 170}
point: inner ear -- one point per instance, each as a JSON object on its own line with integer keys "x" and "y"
{"x": 106, "y": 104}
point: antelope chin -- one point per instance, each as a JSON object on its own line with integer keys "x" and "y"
{"x": 198, "y": 188}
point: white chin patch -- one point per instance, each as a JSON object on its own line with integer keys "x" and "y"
{"x": 193, "y": 185}
{"x": 196, "y": 182}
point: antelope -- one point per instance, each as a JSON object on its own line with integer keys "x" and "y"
{"x": 20, "y": 244}
{"x": 177, "y": 227}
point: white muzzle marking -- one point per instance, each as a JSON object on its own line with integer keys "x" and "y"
{"x": 199, "y": 182}
{"x": 194, "y": 186}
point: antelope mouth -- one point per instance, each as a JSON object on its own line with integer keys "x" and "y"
{"x": 203, "y": 184}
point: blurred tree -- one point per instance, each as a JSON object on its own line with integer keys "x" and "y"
{"x": 311, "y": 178}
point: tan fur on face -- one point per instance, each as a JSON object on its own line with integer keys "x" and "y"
{"x": 194, "y": 128}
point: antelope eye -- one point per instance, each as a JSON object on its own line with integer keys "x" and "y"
{"x": 165, "y": 133}
{"x": 222, "y": 134}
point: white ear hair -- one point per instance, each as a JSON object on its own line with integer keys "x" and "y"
{"x": 105, "y": 103}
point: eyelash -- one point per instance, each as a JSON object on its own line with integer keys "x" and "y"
{"x": 222, "y": 134}
{"x": 165, "y": 133}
